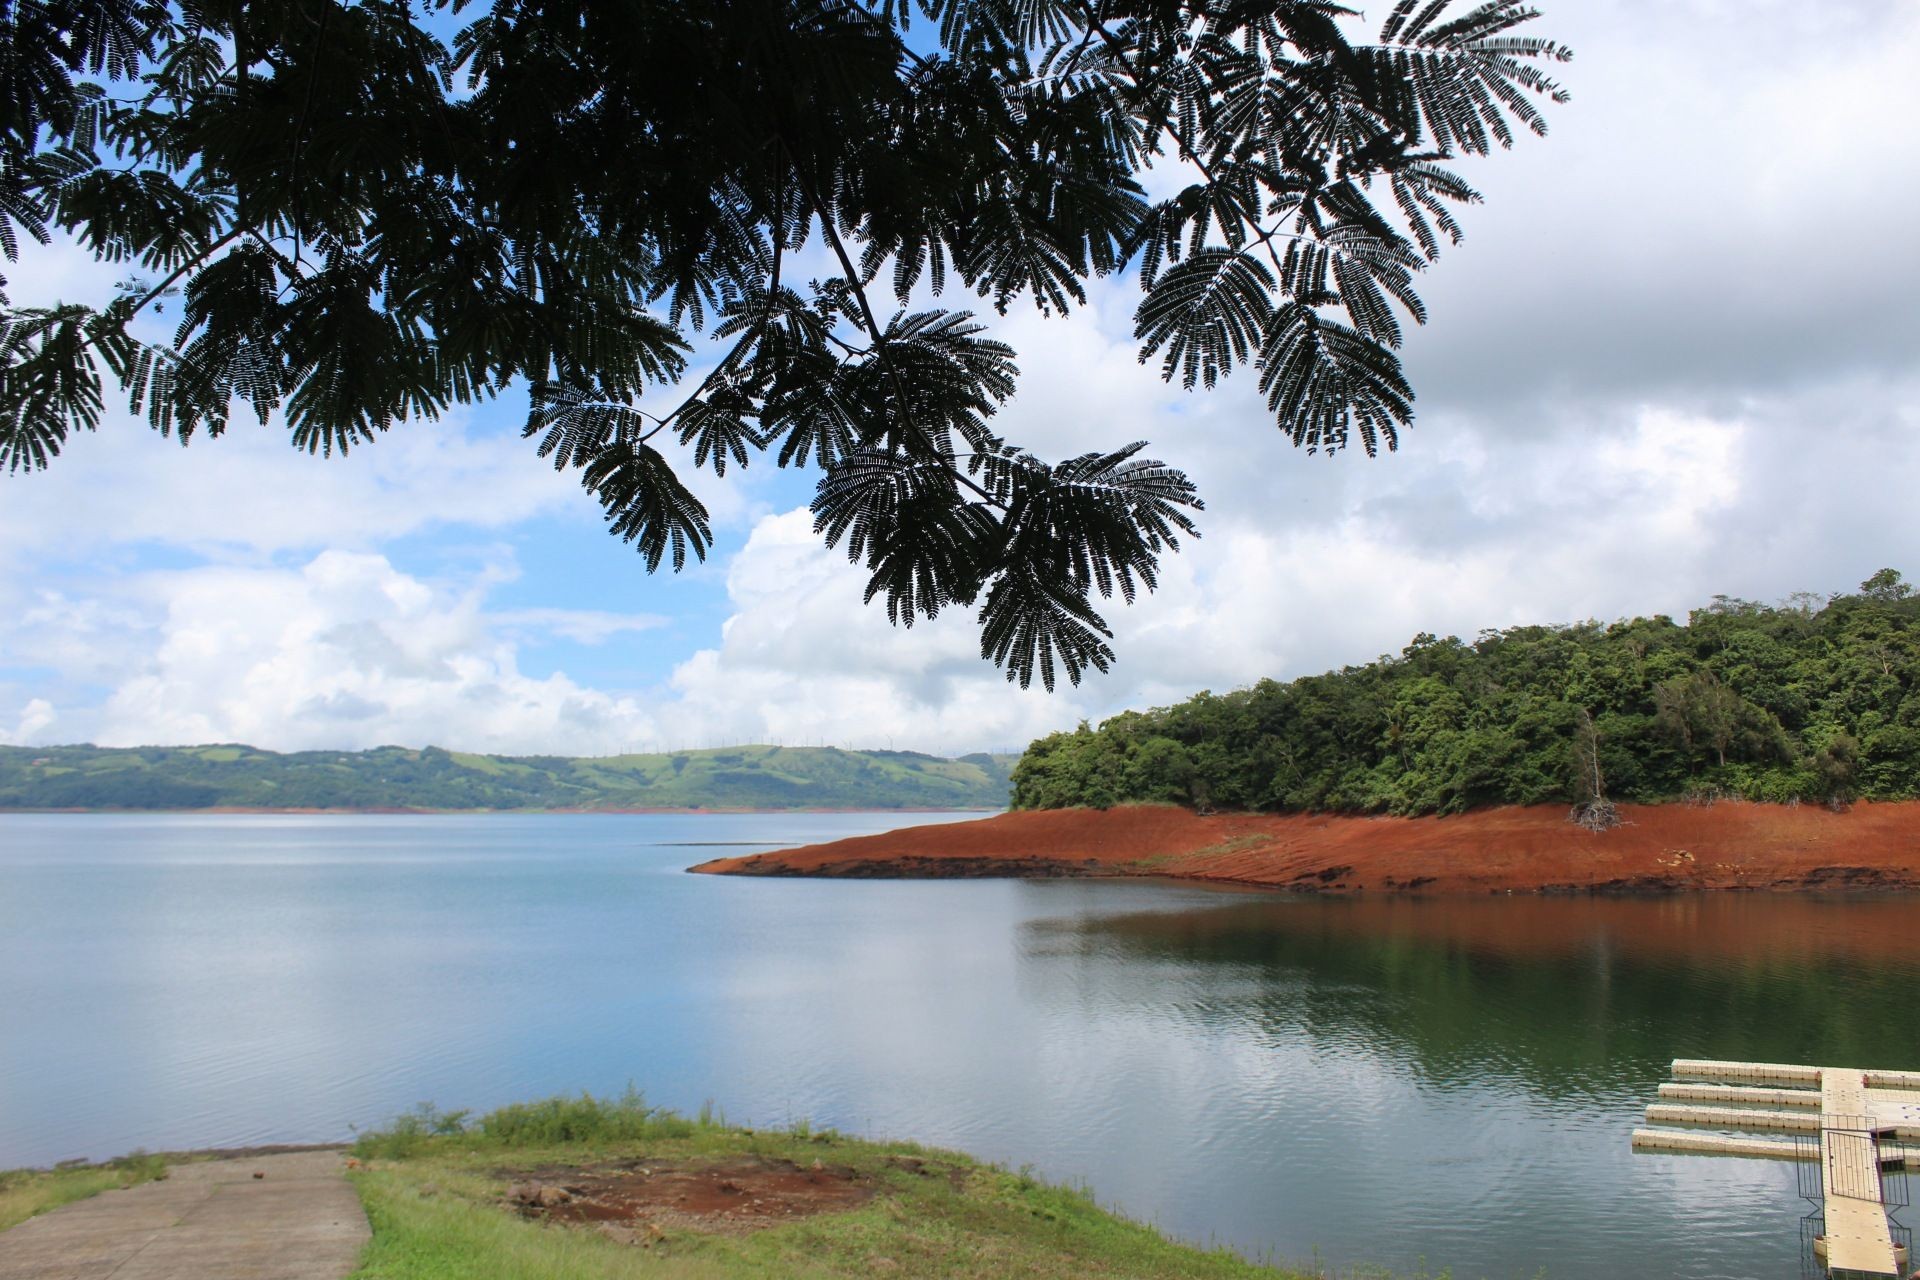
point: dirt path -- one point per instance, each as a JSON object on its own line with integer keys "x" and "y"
{"x": 278, "y": 1217}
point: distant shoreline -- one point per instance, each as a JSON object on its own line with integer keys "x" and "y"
{"x": 235, "y": 778}
{"x": 243, "y": 810}
{"x": 1671, "y": 848}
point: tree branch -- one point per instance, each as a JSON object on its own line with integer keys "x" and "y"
{"x": 232, "y": 234}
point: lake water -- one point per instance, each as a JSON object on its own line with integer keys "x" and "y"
{"x": 1375, "y": 1081}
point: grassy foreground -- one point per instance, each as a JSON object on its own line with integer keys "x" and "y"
{"x": 27, "y": 1192}
{"x": 435, "y": 1189}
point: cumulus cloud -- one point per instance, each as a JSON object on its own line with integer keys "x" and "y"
{"x": 1714, "y": 216}
{"x": 249, "y": 492}
{"x": 801, "y": 660}
{"x": 343, "y": 651}
{"x": 36, "y": 717}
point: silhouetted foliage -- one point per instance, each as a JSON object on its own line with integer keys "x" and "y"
{"x": 365, "y": 222}
{"x": 1745, "y": 700}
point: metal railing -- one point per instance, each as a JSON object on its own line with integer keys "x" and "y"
{"x": 1852, "y": 1157}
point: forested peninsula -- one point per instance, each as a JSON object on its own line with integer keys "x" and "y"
{"x": 399, "y": 778}
{"x": 1816, "y": 700}
{"x": 1752, "y": 747}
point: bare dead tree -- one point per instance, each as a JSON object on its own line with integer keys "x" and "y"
{"x": 1592, "y": 809}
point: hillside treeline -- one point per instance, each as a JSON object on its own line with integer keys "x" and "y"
{"x": 1814, "y": 700}
{"x": 748, "y": 777}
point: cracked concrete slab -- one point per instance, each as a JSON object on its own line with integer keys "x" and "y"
{"x": 209, "y": 1220}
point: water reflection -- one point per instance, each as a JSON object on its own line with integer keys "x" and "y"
{"x": 1380, "y": 1080}
{"x": 1571, "y": 993}
{"x": 1472, "y": 1068}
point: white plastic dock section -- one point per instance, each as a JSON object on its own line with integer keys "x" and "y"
{"x": 1735, "y": 1118}
{"x": 1768, "y": 1073}
{"x": 1859, "y": 1118}
{"x": 1857, "y": 1234}
{"x": 1673, "y": 1142}
{"x": 1736, "y": 1096}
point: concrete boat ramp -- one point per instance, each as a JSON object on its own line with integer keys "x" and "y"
{"x": 278, "y": 1217}
{"x": 1855, "y": 1133}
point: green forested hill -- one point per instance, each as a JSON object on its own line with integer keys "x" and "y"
{"x": 1817, "y": 700}
{"x": 756, "y": 777}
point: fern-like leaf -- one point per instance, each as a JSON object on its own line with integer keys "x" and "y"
{"x": 647, "y": 504}
{"x": 49, "y": 385}
{"x": 1032, "y": 624}
{"x": 1208, "y": 313}
{"x": 1325, "y": 381}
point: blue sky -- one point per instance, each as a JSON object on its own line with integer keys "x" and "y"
{"x": 1676, "y": 357}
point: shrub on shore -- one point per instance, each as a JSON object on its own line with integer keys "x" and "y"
{"x": 557, "y": 1121}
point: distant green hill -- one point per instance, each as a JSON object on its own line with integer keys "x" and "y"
{"x": 87, "y": 777}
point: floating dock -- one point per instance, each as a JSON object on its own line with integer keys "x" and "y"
{"x": 1847, "y": 1128}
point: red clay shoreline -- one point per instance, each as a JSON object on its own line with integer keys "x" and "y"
{"x": 1656, "y": 849}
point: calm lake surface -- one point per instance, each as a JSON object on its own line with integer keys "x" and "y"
{"x": 1375, "y": 1081}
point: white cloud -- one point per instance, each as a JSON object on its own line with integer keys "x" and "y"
{"x": 582, "y": 626}
{"x": 1714, "y": 214}
{"x": 803, "y": 660}
{"x": 60, "y": 271}
{"x": 91, "y": 638}
{"x": 31, "y": 727}
{"x": 345, "y": 651}
{"x": 250, "y": 492}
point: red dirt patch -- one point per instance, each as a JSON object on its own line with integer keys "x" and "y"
{"x": 738, "y": 1193}
{"x": 1659, "y": 848}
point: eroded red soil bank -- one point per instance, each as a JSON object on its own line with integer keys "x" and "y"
{"x": 1657, "y": 847}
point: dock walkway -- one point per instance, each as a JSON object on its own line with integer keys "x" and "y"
{"x": 1853, "y": 1122}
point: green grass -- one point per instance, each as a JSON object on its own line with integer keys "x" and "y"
{"x": 478, "y": 763}
{"x": 433, "y": 1185}
{"x": 27, "y": 1192}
